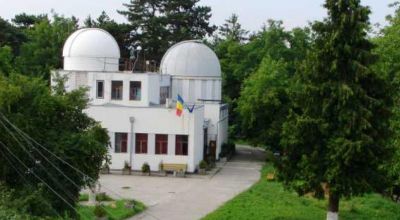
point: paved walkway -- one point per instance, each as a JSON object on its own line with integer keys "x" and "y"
{"x": 192, "y": 197}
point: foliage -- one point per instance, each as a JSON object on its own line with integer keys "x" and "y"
{"x": 265, "y": 103}
{"x": 114, "y": 213}
{"x": 232, "y": 30}
{"x": 99, "y": 211}
{"x": 42, "y": 51}
{"x": 388, "y": 49}
{"x": 269, "y": 200}
{"x": 145, "y": 168}
{"x": 57, "y": 122}
{"x": 337, "y": 131}
{"x": 203, "y": 164}
{"x": 11, "y": 36}
{"x": 6, "y": 57}
{"x": 157, "y": 24}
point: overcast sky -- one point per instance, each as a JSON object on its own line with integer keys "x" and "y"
{"x": 252, "y": 13}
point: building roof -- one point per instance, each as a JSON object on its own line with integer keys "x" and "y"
{"x": 91, "y": 43}
{"x": 190, "y": 58}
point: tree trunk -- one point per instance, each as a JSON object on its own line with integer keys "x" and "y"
{"x": 333, "y": 207}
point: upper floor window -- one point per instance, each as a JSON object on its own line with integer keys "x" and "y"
{"x": 121, "y": 142}
{"x": 100, "y": 89}
{"x": 161, "y": 144}
{"x": 181, "y": 145}
{"x": 117, "y": 89}
{"x": 135, "y": 90}
{"x": 164, "y": 94}
{"x": 141, "y": 144}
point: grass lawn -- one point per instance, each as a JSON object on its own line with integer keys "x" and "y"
{"x": 117, "y": 213}
{"x": 268, "y": 200}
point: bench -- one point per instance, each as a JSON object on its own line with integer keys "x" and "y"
{"x": 177, "y": 168}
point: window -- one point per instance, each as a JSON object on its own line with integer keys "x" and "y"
{"x": 141, "y": 144}
{"x": 116, "y": 90}
{"x": 161, "y": 144}
{"x": 135, "y": 90}
{"x": 100, "y": 90}
{"x": 181, "y": 145}
{"x": 121, "y": 142}
{"x": 164, "y": 94}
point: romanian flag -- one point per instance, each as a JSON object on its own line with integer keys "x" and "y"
{"x": 179, "y": 106}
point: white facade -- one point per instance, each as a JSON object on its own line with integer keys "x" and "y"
{"x": 138, "y": 109}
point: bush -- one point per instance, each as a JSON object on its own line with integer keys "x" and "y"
{"x": 127, "y": 166}
{"x": 145, "y": 168}
{"x": 99, "y": 211}
{"x": 203, "y": 164}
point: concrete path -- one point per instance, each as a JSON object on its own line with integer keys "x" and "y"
{"x": 192, "y": 197}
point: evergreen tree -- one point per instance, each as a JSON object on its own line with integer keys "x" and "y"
{"x": 336, "y": 135}
{"x": 232, "y": 29}
{"x": 157, "y": 24}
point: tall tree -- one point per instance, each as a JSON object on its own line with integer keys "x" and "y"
{"x": 11, "y": 36}
{"x": 388, "y": 49}
{"x": 55, "y": 120}
{"x": 157, "y": 24}
{"x": 42, "y": 52}
{"x": 27, "y": 21}
{"x": 233, "y": 30}
{"x": 337, "y": 132}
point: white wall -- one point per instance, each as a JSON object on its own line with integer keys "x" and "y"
{"x": 194, "y": 88}
{"x": 153, "y": 121}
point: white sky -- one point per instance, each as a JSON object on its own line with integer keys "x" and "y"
{"x": 252, "y": 13}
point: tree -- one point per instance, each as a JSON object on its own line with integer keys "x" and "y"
{"x": 27, "y": 21}
{"x": 11, "y": 36}
{"x": 264, "y": 103}
{"x": 232, "y": 29}
{"x": 57, "y": 121}
{"x": 157, "y": 24}
{"x": 6, "y": 57}
{"x": 336, "y": 134}
{"x": 388, "y": 49}
{"x": 43, "y": 50}
{"x": 240, "y": 60}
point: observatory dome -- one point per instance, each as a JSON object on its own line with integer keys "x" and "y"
{"x": 190, "y": 58}
{"x": 91, "y": 49}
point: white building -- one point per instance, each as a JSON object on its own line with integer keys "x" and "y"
{"x": 138, "y": 109}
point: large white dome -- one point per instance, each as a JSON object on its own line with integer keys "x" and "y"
{"x": 91, "y": 49}
{"x": 191, "y": 58}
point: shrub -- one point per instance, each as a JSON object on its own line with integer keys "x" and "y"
{"x": 127, "y": 166}
{"x": 103, "y": 197}
{"x": 99, "y": 211}
{"x": 203, "y": 164}
{"x": 145, "y": 168}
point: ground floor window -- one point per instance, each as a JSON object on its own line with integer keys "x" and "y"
{"x": 161, "y": 144}
{"x": 181, "y": 145}
{"x": 141, "y": 143}
{"x": 121, "y": 143}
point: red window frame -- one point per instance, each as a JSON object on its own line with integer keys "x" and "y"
{"x": 161, "y": 144}
{"x": 181, "y": 145}
{"x": 141, "y": 143}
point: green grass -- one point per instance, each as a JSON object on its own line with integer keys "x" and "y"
{"x": 268, "y": 200}
{"x": 117, "y": 213}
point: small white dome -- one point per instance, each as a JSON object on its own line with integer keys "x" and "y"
{"x": 91, "y": 49}
{"x": 190, "y": 58}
